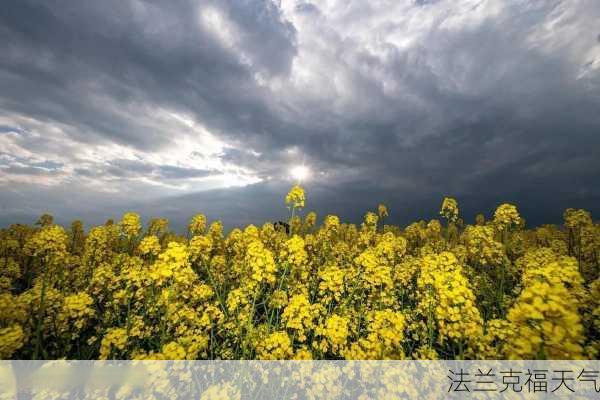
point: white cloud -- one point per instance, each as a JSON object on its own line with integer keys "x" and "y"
{"x": 192, "y": 147}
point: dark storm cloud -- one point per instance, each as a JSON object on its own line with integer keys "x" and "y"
{"x": 401, "y": 102}
{"x": 58, "y": 58}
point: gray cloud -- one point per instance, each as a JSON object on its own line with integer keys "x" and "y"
{"x": 171, "y": 172}
{"x": 403, "y": 102}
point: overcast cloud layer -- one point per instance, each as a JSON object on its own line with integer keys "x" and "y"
{"x": 172, "y": 108}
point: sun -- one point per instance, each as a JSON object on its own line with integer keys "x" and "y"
{"x": 300, "y": 172}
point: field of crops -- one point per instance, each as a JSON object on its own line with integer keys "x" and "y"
{"x": 443, "y": 289}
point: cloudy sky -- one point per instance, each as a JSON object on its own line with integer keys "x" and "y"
{"x": 170, "y": 108}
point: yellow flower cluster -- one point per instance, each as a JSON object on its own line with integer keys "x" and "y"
{"x": 295, "y": 197}
{"x": 12, "y": 339}
{"x": 294, "y": 259}
{"x": 506, "y": 215}
{"x": 390, "y": 249}
{"x": 311, "y": 219}
{"x": 384, "y": 339}
{"x": 98, "y": 246}
{"x": 261, "y": 264}
{"x": 293, "y": 252}
{"x": 298, "y": 316}
{"x": 545, "y": 317}
{"x": 150, "y": 245}
{"x": 200, "y": 248}
{"x": 172, "y": 261}
{"x": 375, "y": 274}
{"x": 498, "y": 335}
{"x": 113, "y": 342}
{"x": 448, "y": 299}
{"x": 576, "y": 218}
{"x": 482, "y": 248}
{"x": 546, "y": 324}
{"x": 197, "y": 225}
{"x": 487, "y": 289}
{"x": 331, "y": 285}
{"x": 49, "y": 244}
{"x": 131, "y": 224}
{"x": 449, "y": 209}
{"x": 382, "y": 211}
{"x": 335, "y": 334}
{"x": 371, "y": 219}
{"x": 276, "y": 346}
{"x": 331, "y": 222}
{"x": 558, "y": 270}
{"x": 76, "y": 313}
{"x": 173, "y": 351}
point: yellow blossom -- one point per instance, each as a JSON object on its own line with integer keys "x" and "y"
{"x": 295, "y": 198}
{"x": 449, "y": 209}
{"x": 197, "y": 225}
{"x": 298, "y": 316}
{"x": 382, "y": 211}
{"x": 131, "y": 224}
{"x": 12, "y": 339}
{"x": 506, "y": 215}
{"x": 113, "y": 342}
{"x": 276, "y": 346}
{"x": 150, "y": 245}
